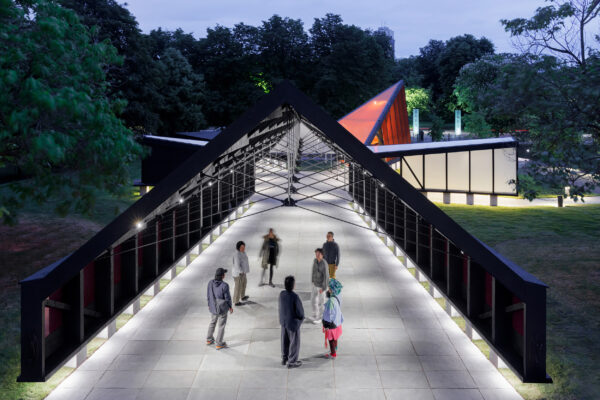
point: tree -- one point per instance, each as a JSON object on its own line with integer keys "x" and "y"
{"x": 555, "y": 98}
{"x": 556, "y": 104}
{"x": 417, "y": 98}
{"x": 228, "y": 65}
{"x": 560, "y": 28}
{"x": 440, "y": 62}
{"x": 284, "y": 50}
{"x": 385, "y": 42}
{"x": 182, "y": 92}
{"x": 458, "y": 51}
{"x": 407, "y": 69}
{"x": 349, "y": 65}
{"x": 138, "y": 79}
{"x": 472, "y": 90}
{"x": 57, "y": 124}
{"x": 427, "y": 66}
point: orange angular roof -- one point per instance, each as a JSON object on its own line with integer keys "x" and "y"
{"x": 384, "y": 114}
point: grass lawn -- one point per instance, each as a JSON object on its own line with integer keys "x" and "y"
{"x": 561, "y": 247}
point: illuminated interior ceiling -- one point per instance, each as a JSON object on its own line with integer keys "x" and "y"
{"x": 383, "y": 120}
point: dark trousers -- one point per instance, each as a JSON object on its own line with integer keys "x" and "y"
{"x": 264, "y": 273}
{"x": 290, "y": 344}
{"x": 333, "y": 346}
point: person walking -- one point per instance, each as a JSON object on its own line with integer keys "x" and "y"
{"x": 270, "y": 254}
{"x": 320, "y": 280}
{"x": 240, "y": 269}
{"x": 332, "y": 317}
{"x": 331, "y": 253}
{"x": 291, "y": 315}
{"x": 219, "y": 302}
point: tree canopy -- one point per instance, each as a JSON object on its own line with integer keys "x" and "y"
{"x": 57, "y": 124}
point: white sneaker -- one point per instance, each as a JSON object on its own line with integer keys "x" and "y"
{"x": 316, "y": 321}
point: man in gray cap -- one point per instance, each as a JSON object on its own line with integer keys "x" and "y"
{"x": 219, "y": 302}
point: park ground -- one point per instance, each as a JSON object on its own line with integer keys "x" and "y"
{"x": 559, "y": 246}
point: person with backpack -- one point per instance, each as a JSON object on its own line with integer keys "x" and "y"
{"x": 333, "y": 318}
{"x": 219, "y": 302}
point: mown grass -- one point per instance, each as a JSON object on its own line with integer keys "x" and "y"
{"x": 560, "y": 247}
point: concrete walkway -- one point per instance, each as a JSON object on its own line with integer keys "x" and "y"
{"x": 506, "y": 201}
{"x": 397, "y": 342}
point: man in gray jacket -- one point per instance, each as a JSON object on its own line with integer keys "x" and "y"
{"x": 219, "y": 302}
{"x": 331, "y": 253}
{"x": 320, "y": 282}
{"x": 239, "y": 271}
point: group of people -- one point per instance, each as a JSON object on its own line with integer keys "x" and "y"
{"x": 325, "y": 297}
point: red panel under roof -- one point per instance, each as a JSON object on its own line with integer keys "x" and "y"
{"x": 387, "y": 108}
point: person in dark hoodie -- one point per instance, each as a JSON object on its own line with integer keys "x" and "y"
{"x": 219, "y": 302}
{"x": 291, "y": 315}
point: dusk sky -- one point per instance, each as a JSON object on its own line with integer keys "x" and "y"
{"x": 413, "y": 22}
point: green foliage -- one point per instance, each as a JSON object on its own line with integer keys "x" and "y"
{"x": 144, "y": 79}
{"x": 476, "y": 123}
{"x": 262, "y": 83}
{"x": 458, "y": 51}
{"x": 349, "y": 66}
{"x": 558, "y": 105}
{"x": 437, "y": 127}
{"x": 284, "y": 49}
{"x": 57, "y": 125}
{"x": 228, "y": 61}
{"x": 407, "y": 69}
{"x": 439, "y": 63}
{"x": 560, "y": 28}
{"x": 182, "y": 92}
{"x": 417, "y": 98}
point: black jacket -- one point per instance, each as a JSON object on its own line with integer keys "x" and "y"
{"x": 331, "y": 252}
{"x": 291, "y": 312}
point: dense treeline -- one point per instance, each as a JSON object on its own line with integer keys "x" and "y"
{"x": 79, "y": 80}
{"x": 174, "y": 82}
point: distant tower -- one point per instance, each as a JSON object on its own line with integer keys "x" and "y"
{"x": 389, "y": 33}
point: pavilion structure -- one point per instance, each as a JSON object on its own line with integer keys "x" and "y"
{"x": 288, "y": 153}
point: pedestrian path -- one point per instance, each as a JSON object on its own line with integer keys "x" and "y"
{"x": 508, "y": 201}
{"x": 397, "y": 342}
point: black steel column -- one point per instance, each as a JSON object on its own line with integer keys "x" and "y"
{"x": 187, "y": 226}
{"x": 534, "y": 360}
{"x": 33, "y": 342}
{"x": 174, "y": 235}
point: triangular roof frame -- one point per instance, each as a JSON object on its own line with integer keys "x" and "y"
{"x": 284, "y": 94}
{"x": 384, "y": 111}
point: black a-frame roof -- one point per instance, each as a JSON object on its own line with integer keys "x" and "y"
{"x": 526, "y": 356}
{"x": 284, "y": 94}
